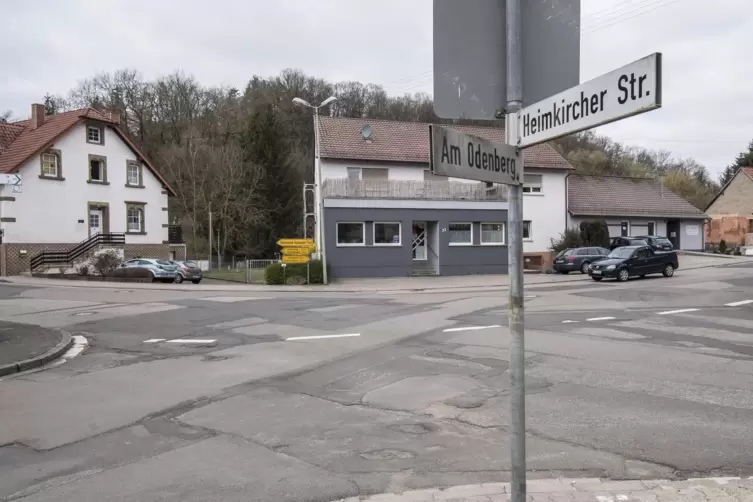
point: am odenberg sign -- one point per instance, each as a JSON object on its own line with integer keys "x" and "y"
{"x": 459, "y": 155}
{"x": 630, "y": 90}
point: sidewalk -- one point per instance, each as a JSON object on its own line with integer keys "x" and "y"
{"x": 585, "y": 489}
{"x": 24, "y": 346}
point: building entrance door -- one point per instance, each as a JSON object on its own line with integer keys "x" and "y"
{"x": 419, "y": 240}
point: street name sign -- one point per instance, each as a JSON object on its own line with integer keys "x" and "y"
{"x": 630, "y": 90}
{"x": 295, "y": 243}
{"x": 295, "y": 259}
{"x": 460, "y": 155}
{"x": 470, "y": 54}
{"x": 11, "y": 179}
{"x": 297, "y": 251}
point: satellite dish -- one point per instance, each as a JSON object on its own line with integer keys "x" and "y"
{"x": 366, "y": 131}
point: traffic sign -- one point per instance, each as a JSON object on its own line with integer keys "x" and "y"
{"x": 460, "y": 155}
{"x": 11, "y": 179}
{"x": 295, "y": 259}
{"x": 295, "y": 242}
{"x": 470, "y": 54}
{"x": 635, "y": 88}
{"x": 296, "y": 251}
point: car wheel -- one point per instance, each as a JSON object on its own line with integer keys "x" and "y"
{"x": 154, "y": 277}
{"x": 584, "y": 267}
{"x": 643, "y": 276}
{"x": 178, "y": 279}
{"x": 668, "y": 271}
{"x": 597, "y": 279}
{"x": 564, "y": 272}
{"x": 623, "y": 275}
{"x": 196, "y": 281}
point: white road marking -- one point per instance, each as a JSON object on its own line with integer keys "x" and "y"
{"x": 192, "y": 340}
{"x": 79, "y": 344}
{"x": 601, "y": 319}
{"x": 320, "y": 337}
{"x": 154, "y": 340}
{"x": 471, "y": 328}
{"x": 529, "y": 296}
{"x": 231, "y": 299}
{"x": 678, "y": 311}
{"x": 737, "y": 304}
{"x": 568, "y": 322}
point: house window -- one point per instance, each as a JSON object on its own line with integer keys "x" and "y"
{"x": 97, "y": 169}
{"x": 135, "y": 223}
{"x": 354, "y": 173}
{"x": 375, "y": 174}
{"x": 651, "y": 228}
{"x": 461, "y": 234}
{"x": 527, "y": 230}
{"x": 51, "y": 164}
{"x": 532, "y": 183}
{"x": 386, "y": 234}
{"x": 351, "y": 234}
{"x": 94, "y": 134}
{"x": 133, "y": 174}
{"x": 492, "y": 234}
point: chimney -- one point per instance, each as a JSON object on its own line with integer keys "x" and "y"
{"x": 115, "y": 116}
{"x": 37, "y": 115}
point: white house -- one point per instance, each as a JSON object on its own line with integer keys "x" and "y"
{"x": 386, "y": 214}
{"x": 82, "y": 179}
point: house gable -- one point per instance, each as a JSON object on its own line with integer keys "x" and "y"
{"x": 736, "y": 197}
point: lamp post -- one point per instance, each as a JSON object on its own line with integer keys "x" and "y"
{"x": 318, "y": 199}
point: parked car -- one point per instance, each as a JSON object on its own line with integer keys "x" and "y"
{"x": 575, "y": 259}
{"x": 631, "y": 261}
{"x": 162, "y": 270}
{"x": 618, "y": 242}
{"x": 657, "y": 243}
{"x": 187, "y": 271}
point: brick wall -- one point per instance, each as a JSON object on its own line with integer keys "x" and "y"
{"x": 12, "y": 262}
{"x": 157, "y": 251}
{"x": 179, "y": 250}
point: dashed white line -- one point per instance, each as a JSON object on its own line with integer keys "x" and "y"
{"x": 737, "y": 304}
{"x": 154, "y": 340}
{"x": 471, "y": 328}
{"x": 192, "y": 340}
{"x": 79, "y": 344}
{"x": 569, "y": 322}
{"x": 601, "y": 319}
{"x": 320, "y": 337}
{"x": 678, "y": 311}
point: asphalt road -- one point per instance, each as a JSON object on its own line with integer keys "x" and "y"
{"x": 197, "y": 396}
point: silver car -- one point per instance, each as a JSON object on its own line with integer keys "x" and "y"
{"x": 187, "y": 271}
{"x": 162, "y": 270}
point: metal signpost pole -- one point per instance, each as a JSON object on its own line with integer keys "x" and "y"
{"x": 515, "y": 250}
{"x": 319, "y": 199}
{"x": 209, "y": 265}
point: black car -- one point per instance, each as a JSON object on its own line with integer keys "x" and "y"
{"x": 657, "y": 243}
{"x": 631, "y": 261}
{"x": 618, "y": 242}
{"x": 575, "y": 259}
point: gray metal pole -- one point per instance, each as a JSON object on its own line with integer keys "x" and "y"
{"x": 515, "y": 250}
{"x": 320, "y": 198}
{"x": 209, "y": 265}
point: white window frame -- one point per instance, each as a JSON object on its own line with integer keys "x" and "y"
{"x": 460, "y": 223}
{"x": 387, "y": 244}
{"x": 89, "y": 139}
{"x": 56, "y": 163}
{"x": 530, "y": 187}
{"x": 350, "y": 245}
{"x": 139, "y": 214}
{"x": 530, "y": 231}
{"x": 102, "y": 168}
{"x": 481, "y": 229}
{"x": 129, "y": 182}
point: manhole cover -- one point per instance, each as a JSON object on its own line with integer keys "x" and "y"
{"x": 412, "y": 428}
{"x": 78, "y": 314}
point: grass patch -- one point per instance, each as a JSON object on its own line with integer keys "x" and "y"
{"x": 256, "y": 275}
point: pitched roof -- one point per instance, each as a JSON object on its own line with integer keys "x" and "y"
{"x": 394, "y": 141}
{"x": 622, "y": 197}
{"x": 19, "y": 142}
{"x": 745, "y": 170}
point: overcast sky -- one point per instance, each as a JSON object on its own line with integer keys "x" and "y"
{"x": 707, "y": 52}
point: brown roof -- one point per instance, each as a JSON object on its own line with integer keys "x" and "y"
{"x": 19, "y": 142}
{"x": 394, "y": 141}
{"x": 622, "y": 197}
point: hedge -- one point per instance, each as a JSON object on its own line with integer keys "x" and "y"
{"x": 294, "y": 273}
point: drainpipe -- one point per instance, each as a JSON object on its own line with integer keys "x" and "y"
{"x": 567, "y": 201}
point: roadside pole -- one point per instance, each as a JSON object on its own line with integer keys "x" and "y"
{"x": 515, "y": 254}
{"x": 209, "y": 265}
{"x": 319, "y": 198}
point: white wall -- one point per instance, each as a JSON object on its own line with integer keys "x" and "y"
{"x": 48, "y": 211}
{"x": 546, "y": 210}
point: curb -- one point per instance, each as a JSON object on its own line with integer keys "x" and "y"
{"x": 35, "y": 362}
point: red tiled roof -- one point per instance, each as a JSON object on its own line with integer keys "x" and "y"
{"x": 623, "y": 197}
{"x": 748, "y": 171}
{"x": 394, "y": 141}
{"x": 19, "y": 142}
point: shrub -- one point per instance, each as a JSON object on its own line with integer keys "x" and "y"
{"x": 130, "y": 273}
{"x": 83, "y": 268}
{"x": 723, "y": 246}
{"x": 274, "y": 274}
{"x": 570, "y": 239}
{"x": 105, "y": 261}
{"x": 277, "y": 274}
{"x": 594, "y": 233}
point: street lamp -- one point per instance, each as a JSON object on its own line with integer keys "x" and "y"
{"x": 318, "y": 199}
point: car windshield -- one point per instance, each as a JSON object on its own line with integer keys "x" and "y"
{"x": 163, "y": 262}
{"x": 637, "y": 242}
{"x": 622, "y": 253}
{"x": 663, "y": 241}
{"x": 570, "y": 252}
{"x": 190, "y": 264}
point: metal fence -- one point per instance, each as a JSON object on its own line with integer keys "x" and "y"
{"x": 238, "y": 270}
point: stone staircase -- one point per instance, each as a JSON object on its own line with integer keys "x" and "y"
{"x": 423, "y": 269}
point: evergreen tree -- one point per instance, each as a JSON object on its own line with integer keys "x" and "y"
{"x": 744, "y": 159}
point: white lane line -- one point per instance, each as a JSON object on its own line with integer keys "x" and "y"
{"x": 191, "y": 340}
{"x": 471, "y": 328}
{"x": 320, "y": 337}
{"x": 737, "y": 304}
{"x": 678, "y": 311}
{"x": 154, "y": 340}
{"x": 79, "y": 344}
{"x": 569, "y": 322}
{"x": 601, "y": 319}
{"x": 529, "y": 297}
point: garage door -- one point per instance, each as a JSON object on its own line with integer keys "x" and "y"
{"x": 638, "y": 229}
{"x": 614, "y": 230}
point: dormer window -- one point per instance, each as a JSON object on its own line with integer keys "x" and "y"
{"x": 95, "y": 134}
